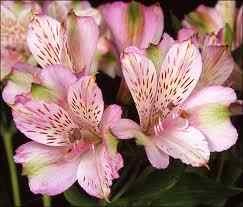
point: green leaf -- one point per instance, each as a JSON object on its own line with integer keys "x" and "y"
{"x": 150, "y": 185}
{"x": 233, "y": 168}
{"x": 157, "y": 182}
{"x": 193, "y": 190}
{"x": 75, "y": 198}
{"x": 169, "y": 189}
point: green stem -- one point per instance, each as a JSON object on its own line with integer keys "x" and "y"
{"x": 128, "y": 184}
{"x": 46, "y": 201}
{"x": 7, "y": 140}
{"x": 123, "y": 176}
{"x": 146, "y": 172}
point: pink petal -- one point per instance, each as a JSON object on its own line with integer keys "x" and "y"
{"x": 207, "y": 111}
{"x": 44, "y": 39}
{"x": 146, "y": 27}
{"x": 86, "y": 101}
{"x": 12, "y": 90}
{"x": 168, "y": 122}
{"x": 57, "y": 78}
{"x": 153, "y": 25}
{"x": 19, "y": 83}
{"x": 220, "y": 133}
{"x": 189, "y": 145}
{"x": 97, "y": 170}
{"x": 44, "y": 123}
{"x": 114, "y": 15}
{"x": 7, "y": 19}
{"x": 185, "y": 34}
{"x": 82, "y": 38}
{"x": 13, "y": 34}
{"x": 157, "y": 158}
{"x": 141, "y": 78}
{"x": 211, "y": 95}
{"x": 9, "y": 58}
{"x": 125, "y": 129}
{"x": 111, "y": 116}
{"x": 50, "y": 170}
{"x": 218, "y": 64}
{"x": 58, "y": 9}
{"x": 179, "y": 75}
{"x": 165, "y": 44}
{"x": 84, "y": 9}
{"x": 20, "y": 9}
{"x": 239, "y": 28}
{"x": 204, "y": 19}
{"x": 25, "y": 14}
{"x": 28, "y": 68}
{"x": 157, "y": 53}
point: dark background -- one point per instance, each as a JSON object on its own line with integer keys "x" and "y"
{"x": 109, "y": 88}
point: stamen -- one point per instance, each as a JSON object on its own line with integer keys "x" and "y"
{"x": 158, "y": 128}
{"x": 74, "y": 135}
{"x": 184, "y": 114}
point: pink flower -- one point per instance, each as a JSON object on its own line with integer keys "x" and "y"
{"x": 15, "y": 17}
{"x": 238, "y": 26}
{"x": 9, "y": 58}
{"x": 104, "y": 57}
{"x": 175, "y": 120}
{"x": 60, "y": 9}
{"x": 72, "y": 45}
{"x": 209, "y": 17}
{"x": 133, "y": 24}
{"x": 19, "y": 83}
{"x": 219, "y": 67}
{"x": 50, "y": 44}
{"x": 71, "y": 135}
{"x": 225, "y": 18}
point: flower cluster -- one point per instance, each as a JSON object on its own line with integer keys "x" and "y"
{"x": 181, "y": 87}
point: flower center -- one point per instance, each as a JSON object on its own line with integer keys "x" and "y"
{"x": 75, "y": 135}
{"x": 84, "y": 135}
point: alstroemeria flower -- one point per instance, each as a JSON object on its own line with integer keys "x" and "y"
{"x": 51, "y": 44}
{"x": 71, "y": 136}
{"x": 225, "y": 18}
{"x": 217, "y": 62}
{"x": 9, "y": 58}
{"x": 133, "y": 24}
{"x": 104, "y": 58}
{"x": 15, "y": 17}
{"x": 72, "y": 45}
{"x": 19, "y": 83}
{"x": 173, "y": 121}
{"x": 219, "y": 67}
{"x": 60, "y": 9}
